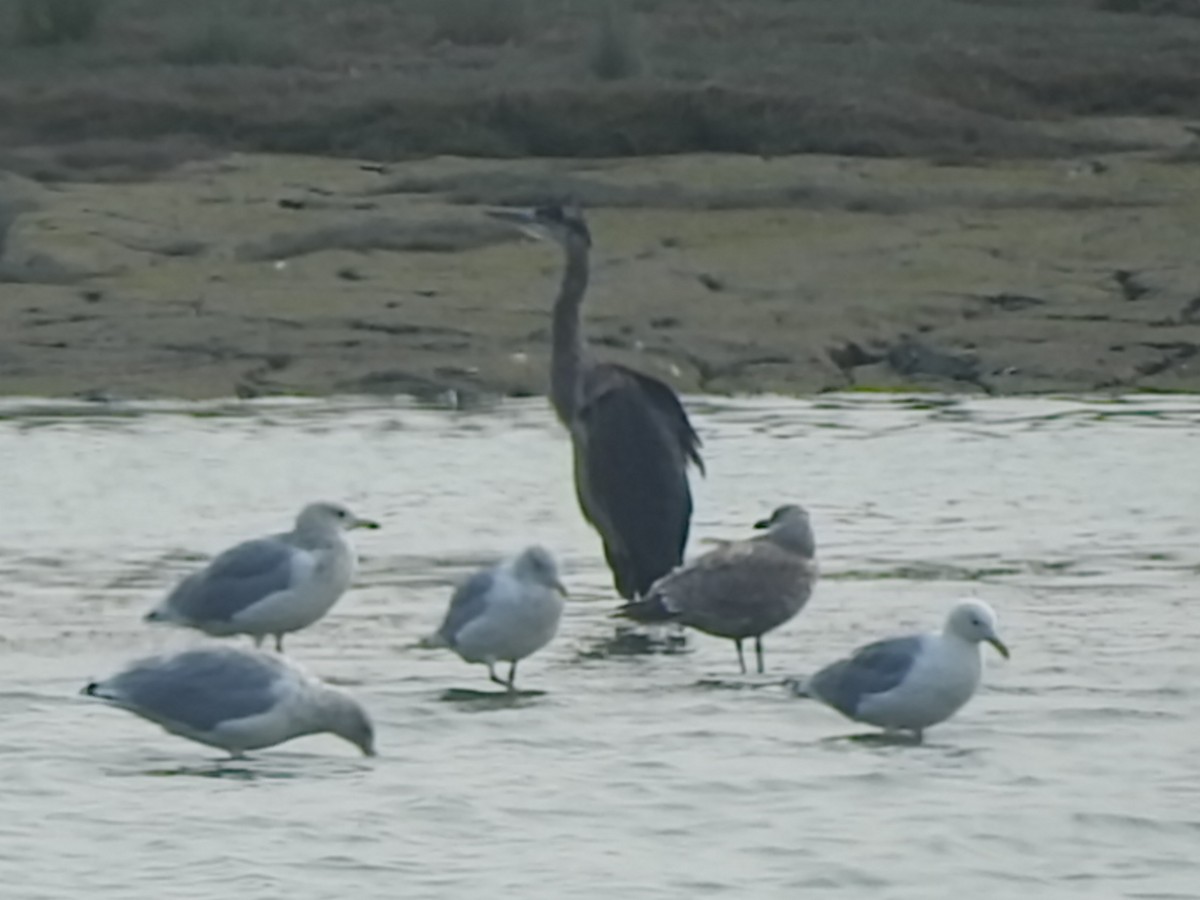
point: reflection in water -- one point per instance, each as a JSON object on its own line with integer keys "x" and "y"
{"x": 216, "y": 770}
{"x": 883, "y": 739}
{"x": 627, "y": 641}
{"x": 254, "y": 767}
{"x": 483, "y": 700}
{"x": 639, "y": 776}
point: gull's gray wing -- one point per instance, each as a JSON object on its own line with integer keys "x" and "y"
{"x": 235, "y": 580}
{"x": 198, "y": 689}
{"x": 874, "y": 669}
{"x": 468, "y": 602}
{"x": 740, "y": 589}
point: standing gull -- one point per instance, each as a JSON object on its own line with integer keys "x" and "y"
{"x": 505, "y": 612}
{"x": 911, "y": 683}
{"x": 235, "y": 699}
{"x": 631, "y": 436}
{"x": 272, "y": 585}
{"x": 743, "y": 588}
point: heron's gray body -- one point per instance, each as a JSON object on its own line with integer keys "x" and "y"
{"x": 632, "y": 445}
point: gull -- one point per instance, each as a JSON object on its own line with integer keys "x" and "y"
{"x": 236, "y": 699}
{"x": 914, "y": 682}
{"x": 504, "y": 613}
{"x": 271, "y": 585}
{"x": 742, "y": 589}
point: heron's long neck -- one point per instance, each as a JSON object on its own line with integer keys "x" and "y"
{"x": 567, "y": 355}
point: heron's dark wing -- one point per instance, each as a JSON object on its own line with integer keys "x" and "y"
{"x": 741, "y": 589}
{"x": 666, "y": 401}
{"x": 631, "y": 476}
{"x": 873, "y": 669}
{"x": 237, "y": 579}
{"x": 468, "y": 602}
{"x": 199, "y": 689}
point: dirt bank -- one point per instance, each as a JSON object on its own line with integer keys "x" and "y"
{"x": 269, "y": 274}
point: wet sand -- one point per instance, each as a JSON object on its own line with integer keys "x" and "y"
{"x": 720, "y": 274}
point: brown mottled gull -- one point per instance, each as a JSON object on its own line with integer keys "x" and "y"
{"x": 742, "y": 589}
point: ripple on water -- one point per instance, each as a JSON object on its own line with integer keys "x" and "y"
{"x": 616, "y": 774}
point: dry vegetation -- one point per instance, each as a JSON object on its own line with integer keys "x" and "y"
{"x": 390, "y": 80}
{"x": 40, "y": 22}
{"x": 1152, "y": 7}
{"x": 480, "y": 23}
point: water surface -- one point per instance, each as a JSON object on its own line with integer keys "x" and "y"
{"x": 1075, "y": 772}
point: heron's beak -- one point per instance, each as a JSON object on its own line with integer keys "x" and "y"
{"x": 515, "y": 216}
{"x": 365, "y": 523}
{"x": 1000, "y": 646}
{"x": 562, "y": 589}
{"x": 522, "y": 218}
{"x": 762, "y": 523}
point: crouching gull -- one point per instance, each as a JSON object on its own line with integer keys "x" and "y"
{"x": 504, "y": 613}
{"x": 235, "y": 699}
{"x": 914, "y": 682}
{"x": 272, "y": 585}
{"x": 743, "y": 588}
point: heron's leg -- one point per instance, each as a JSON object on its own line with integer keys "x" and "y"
{"x": 258, "y": 639}
{"x": 493, "y": 676}
{"x": 737, "y": 642}
{"x": 758, "y": 652}
{"x": 919, "y": 735}
{"x": 279, "y": 644}
{"x": 618, "y": 564}
{"x": 512, "y": 676}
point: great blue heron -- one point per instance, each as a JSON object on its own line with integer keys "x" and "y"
{"x": 632, "y": 438}
{"x": 743, "y": 589}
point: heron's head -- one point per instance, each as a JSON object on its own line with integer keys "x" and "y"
{"x": 538, "y": 565}
{"x": 789, "y": 526}
{"x": 324, "y": 517}
{"x": 563, "y": 224}
{"x": 974, "y": 621}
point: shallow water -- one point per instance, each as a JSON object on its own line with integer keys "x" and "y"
{"x": 1075, "y": 772}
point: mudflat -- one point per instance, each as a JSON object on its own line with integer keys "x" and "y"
{"x": 261, "y": 274}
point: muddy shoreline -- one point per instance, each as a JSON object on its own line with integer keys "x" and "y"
{"x": 255, "y": 275}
